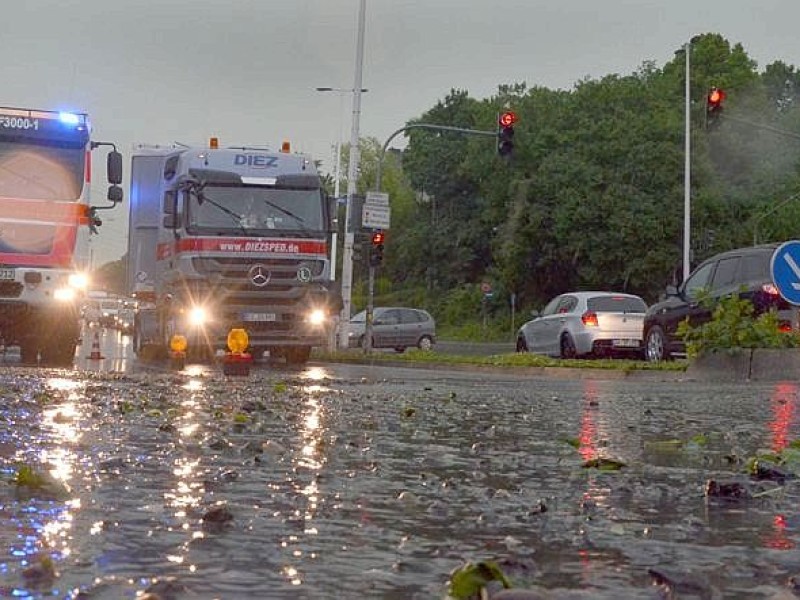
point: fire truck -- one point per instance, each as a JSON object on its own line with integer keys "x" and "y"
{"x": 225, "y": 239}
{"x": 45, "y": 226}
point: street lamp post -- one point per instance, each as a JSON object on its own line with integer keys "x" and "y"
{"x": 352, "y": 174}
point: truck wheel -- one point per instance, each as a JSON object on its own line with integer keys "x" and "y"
{"x": 28, "y": 350}
{"x": 59, "y": 349}
{"x": 297, "y": 356}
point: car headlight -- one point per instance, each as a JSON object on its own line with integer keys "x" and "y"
{"x": 316, "y": 317}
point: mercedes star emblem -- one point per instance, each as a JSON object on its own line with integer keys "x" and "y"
{"x": 259, "y": 275}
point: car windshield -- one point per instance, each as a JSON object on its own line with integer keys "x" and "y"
{"x": 359, "y": 317}
{"x": 616, "y": 304}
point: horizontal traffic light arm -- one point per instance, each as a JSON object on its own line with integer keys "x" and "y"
{"x": 423, "y": 126}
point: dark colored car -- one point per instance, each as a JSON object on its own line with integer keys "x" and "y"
{"x": 744, "y": 271}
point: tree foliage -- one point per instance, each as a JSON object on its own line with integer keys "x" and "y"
{"x": 593, "y": 197}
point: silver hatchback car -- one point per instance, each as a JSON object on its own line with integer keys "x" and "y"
{"x": 394, "y": 327}
{"x": 579, "y": 324}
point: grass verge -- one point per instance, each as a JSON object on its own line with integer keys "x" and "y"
{"x": 512, "y": 359}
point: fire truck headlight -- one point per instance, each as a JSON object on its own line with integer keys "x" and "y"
{"x": 316, "y": 317}
{"x": 198, "y": 316}
{"x": 65, "y": 294}
{"x": 79, "y": 281}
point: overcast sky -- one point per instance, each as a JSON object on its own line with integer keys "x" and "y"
{"x": 158, "y": 71}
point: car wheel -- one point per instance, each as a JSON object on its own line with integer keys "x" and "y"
{"x": 425, "y": 343}
{"x": 568, "y": 349}
{"x": 522, "y": 345}
{"x": 655, "y": 347}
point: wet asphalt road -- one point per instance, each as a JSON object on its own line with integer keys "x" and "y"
{"x": 349, "y": 481}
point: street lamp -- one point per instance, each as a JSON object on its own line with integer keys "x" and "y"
{"x": 338, "y": 172}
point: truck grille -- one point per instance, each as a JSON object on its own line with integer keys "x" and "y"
{"x": 10, "y": 289}
{"x": 236, "y": 269}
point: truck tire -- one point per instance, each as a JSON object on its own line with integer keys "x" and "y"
{"x": 29, "y": 351}
{"x": 297, "y": 356}
{"x": 59, "y": 352}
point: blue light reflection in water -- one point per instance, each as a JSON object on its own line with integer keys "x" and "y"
{"x": 39, "y": 526}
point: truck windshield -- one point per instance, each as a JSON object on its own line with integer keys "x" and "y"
{"x": 255, "y": 210}
{"x": 36, "y": 171}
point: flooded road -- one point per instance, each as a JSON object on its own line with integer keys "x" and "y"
{"x": 343, "y": 481}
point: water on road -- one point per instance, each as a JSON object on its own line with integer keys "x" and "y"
{"x": 370, "y": 482}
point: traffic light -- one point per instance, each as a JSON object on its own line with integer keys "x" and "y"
{"x": 714, "y": 106}
{"x": 376, "y": 254}
{"x": 505, "y": 133}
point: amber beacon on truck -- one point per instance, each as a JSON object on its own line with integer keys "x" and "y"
{"x": 229, "y": 238}
{"x": 46, "y": 222}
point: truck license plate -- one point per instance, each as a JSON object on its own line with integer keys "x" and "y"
{"x": 6, "y": 274}
{"x": 625, "y": 343}
{"x": 251, "y": 316}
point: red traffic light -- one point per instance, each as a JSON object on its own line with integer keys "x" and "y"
{"x": 378, "y": 238}
{"x": 507, "y": 119}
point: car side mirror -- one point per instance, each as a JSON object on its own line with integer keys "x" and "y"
{"x": 671, "y": 290}
{"x": 535, "y": 314}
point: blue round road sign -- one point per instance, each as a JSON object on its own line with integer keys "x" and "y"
{"x": 785, "y": 270}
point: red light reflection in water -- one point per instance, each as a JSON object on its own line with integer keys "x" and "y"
{"x": 782, "y": 404}
{"x": 588, "y": 434}
{"x": 778, "y": 539}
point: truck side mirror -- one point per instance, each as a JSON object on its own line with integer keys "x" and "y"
{"x": 170, "y": 221}
{"x": 114, "y": 168}
{"x": 115, "y": 194}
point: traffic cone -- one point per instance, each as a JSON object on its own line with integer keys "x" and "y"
{"x": 95, "y": 353}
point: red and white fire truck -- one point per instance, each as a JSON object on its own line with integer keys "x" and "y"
{"x": 45, "y": 224}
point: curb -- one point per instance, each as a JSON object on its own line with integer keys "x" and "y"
{"x": 745, "y": 364}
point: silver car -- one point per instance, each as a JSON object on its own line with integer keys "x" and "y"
{"x": 394, "y": 327}
{"x": 577, "y": 324}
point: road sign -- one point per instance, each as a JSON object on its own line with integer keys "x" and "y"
{"x": 377, "y": 199}
{"x": 375, "y": 217}
{"x": 376, "y": 212}
{"x": 785, "y": 270}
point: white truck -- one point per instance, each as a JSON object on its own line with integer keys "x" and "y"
{"x": 229, "y": 238}
{"x": 45, "y": 225}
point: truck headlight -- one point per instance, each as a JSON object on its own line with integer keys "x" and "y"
{"x": 79, "y": 281}
{"x": 65, "y": 294}
{"x": 316, "y": 317}
{"x": 198, "y": 316}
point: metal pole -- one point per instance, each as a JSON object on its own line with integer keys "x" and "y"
{"x": 687, "y": 175}
{"x": 352, "y": 174}
{"x": 370, "y": 310}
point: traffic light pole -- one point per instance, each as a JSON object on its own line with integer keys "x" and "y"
{"x": 379, "y": 171}
{"x": 370, "y": 309}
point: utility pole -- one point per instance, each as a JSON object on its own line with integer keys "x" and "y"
{"x": 352, "y": 174}
{"x": 687, "y": 173}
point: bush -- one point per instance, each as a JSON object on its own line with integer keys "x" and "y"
{"x": 733, "y": 325}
